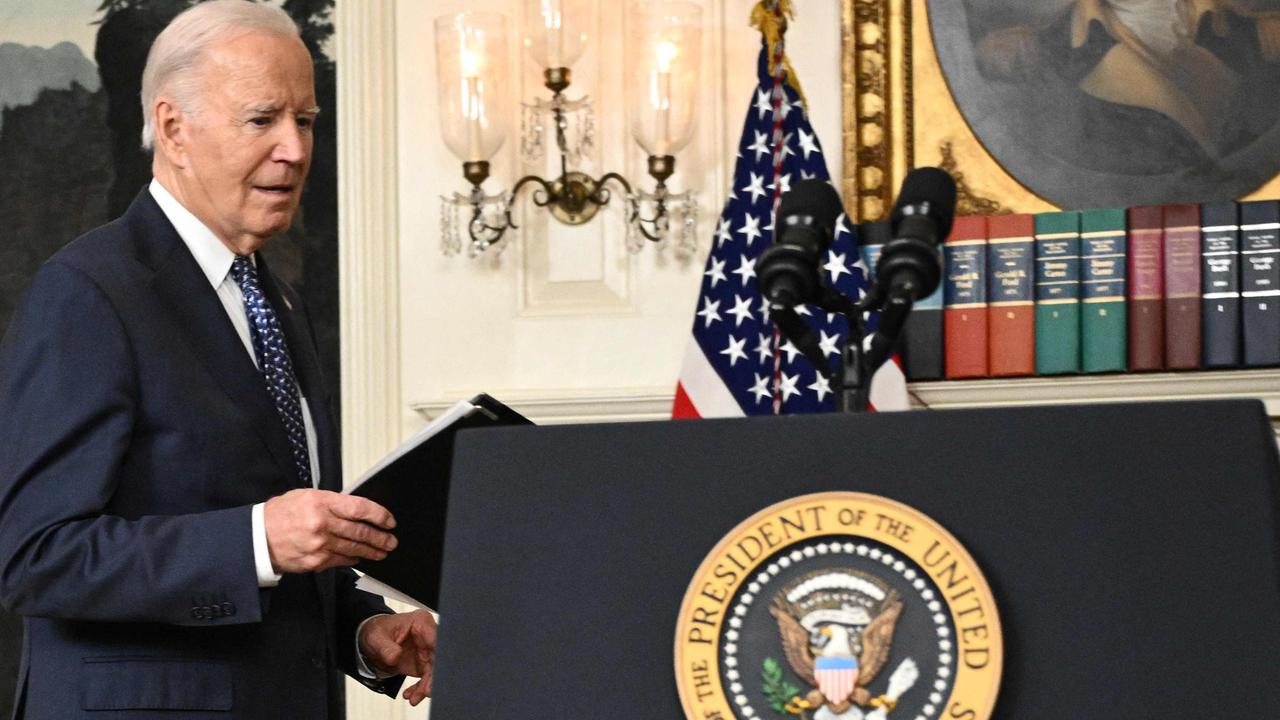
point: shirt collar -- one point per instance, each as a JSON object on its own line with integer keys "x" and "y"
{"x": 211, "y": 255}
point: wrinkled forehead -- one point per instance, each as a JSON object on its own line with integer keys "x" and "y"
{"x": 256, "y": 68}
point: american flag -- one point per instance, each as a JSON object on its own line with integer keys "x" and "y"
{"x": 734, "y": 366}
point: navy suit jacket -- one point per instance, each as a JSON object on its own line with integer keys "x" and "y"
{"x": 135, "y": 436}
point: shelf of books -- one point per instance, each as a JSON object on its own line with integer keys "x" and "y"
{"x": 1110, "y": 305}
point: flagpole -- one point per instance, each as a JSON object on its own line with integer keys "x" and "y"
{"x": 778, "y": 70}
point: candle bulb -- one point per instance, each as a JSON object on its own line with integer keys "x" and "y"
{"x": 471, "y": 63}
{"x": 555, "y": 28}
{"x": 666, "y": 52}
{"x": 473, "y": 100}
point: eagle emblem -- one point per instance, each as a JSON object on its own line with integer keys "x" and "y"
{"x": 836, "y": 627}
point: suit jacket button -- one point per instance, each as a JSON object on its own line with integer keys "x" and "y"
{"x": 317, "y": 662}
{"x": 196, "y": 613}
{"x": 228, "y": 608}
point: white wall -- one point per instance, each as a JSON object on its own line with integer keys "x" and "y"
{"x": 614, "y": 327}
{"x": 565, "y": 325}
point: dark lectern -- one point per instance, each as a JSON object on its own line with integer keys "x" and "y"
{"x": 1132, "y": 551}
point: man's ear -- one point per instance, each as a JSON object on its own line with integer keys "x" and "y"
{"x": 172, "y": 132}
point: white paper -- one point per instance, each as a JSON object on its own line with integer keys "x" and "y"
{"x": 369, "y": 585}
{"x": 447, "y": 418}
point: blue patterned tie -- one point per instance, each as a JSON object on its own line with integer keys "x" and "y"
{"x": 273, "y": 361}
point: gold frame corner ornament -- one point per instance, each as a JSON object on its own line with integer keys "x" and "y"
{"x": 888, "y": 68}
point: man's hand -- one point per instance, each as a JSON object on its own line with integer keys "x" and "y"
{"x": 314, "y": 530}
{"x": 403, "y": 644}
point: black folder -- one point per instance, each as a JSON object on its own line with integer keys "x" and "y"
{"x": 413, "y": 483}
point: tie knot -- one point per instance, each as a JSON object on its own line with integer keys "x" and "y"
{"x": 243, "y": 271}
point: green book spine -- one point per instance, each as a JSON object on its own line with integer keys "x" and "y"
{"x": 1057, "y": 293}
{"x": 1104, "y": 331}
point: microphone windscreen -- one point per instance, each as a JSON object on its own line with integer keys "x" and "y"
{"x": 929, "y": 190}
{"x": 815, "y": 198}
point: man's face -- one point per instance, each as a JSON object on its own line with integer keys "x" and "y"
{"x": 249, "y": 146}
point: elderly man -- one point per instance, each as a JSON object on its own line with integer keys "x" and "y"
{"x": 168, "y": 521}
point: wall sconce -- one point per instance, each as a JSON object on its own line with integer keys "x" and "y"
{"x": 662, "y": 48}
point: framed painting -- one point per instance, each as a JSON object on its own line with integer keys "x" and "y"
{"x": 1041, "y": 104}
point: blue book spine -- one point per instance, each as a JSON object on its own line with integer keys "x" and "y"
{"x": 1260, "y": 281}
{"x": 1220, "y": 283}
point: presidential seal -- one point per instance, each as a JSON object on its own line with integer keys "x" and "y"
{"x": 838, "y": 606}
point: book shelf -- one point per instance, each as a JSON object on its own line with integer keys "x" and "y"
{"x": 1262, "y": 383}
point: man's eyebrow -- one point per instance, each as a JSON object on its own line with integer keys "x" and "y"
{"x": 270, "y": 109}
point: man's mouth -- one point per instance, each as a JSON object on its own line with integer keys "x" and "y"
{"x": 275, "y": 189}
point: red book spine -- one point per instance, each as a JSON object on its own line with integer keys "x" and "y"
{"x": 1011, "y": 309}
{"x": 1182, "y": 287}
{"x": 965, "y": 299}
{"x": 1146, "y": 288}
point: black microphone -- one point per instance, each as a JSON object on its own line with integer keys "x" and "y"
{"x": 920, "y": 221}
{"x": 910, "y": 266}
{"x": 787, "y": 271}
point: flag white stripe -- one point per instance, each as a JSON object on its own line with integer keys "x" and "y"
{"x": 704, "y": 387}
{"x": 889, "y": 388}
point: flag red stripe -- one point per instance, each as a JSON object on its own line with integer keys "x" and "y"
{"x": 682, "y": 407}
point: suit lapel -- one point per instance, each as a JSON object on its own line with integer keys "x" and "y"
{"x": 202, "y": 320}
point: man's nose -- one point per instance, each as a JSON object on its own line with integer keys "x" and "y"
{"x": 291, "y": 145}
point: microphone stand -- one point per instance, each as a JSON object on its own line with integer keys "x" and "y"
{"x": 860, "y": 360}
{"x": 851, "y": 383}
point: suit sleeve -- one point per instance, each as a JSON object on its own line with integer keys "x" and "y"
{"x": 68, "y": 406}
{"x": 354, "y": 606}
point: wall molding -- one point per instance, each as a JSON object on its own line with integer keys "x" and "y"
{"x": 368, "y": 267}
{"x": 559, "y": 406}
{"x": 368, "y": 259}
{"x": 564, "y": 406}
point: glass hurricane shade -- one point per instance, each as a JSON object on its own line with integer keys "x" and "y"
{"x": 663, "y": 46}
{"x": 554, "y": 32}
{"x": 471, "y": 80}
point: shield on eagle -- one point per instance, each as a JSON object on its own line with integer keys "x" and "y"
{"x": 837, "y": 677}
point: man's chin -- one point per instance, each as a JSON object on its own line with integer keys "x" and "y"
{"x": 273, "y": 224}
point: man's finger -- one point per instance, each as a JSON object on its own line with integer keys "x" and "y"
{"x": 416, "y": 692}
{"x": 424, "y": 630}
{"x": 363, "y": 533}
{"x": 350, "y": 507}
{"x": 354, "y": 550}
{"x": 401, "y": 632}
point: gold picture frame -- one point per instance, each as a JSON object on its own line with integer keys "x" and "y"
{"x": 899, "y": 113}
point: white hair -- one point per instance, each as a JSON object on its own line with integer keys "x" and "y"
{"x": 174, "y": 58}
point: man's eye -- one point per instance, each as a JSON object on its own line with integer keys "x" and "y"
{"x": 260, "y": 121}
{"x": 306, "y": 123}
